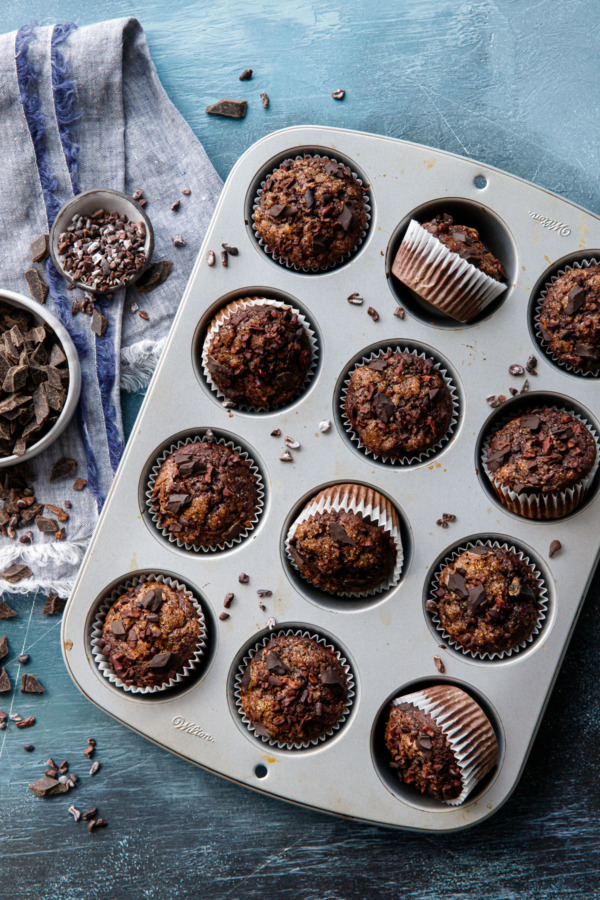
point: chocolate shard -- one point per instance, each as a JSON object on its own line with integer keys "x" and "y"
{"x": 246, "y": 677}
{"x": 160, "y": 661}
{"x": 277, "y": 211}
{"x": 345, "y": 218}
{"x": 555, "y": 546}
{"x": 297, "y": 557}
{"x": 384, "y": 407}
{"x": 3, "y": 646}
{"x": 309, "y": 198}
{"x": 497, "y": 458}
{"x": 63, "y": 468}
{"x": 531, "y": 422}
{"x": 587, "y": 350}
{"x": 475, "y": 597}
{"x": 177, "y": 502}
{"x": 275, "y": 664}
{"x": 575, "y": 299}
{"x": 15, "y": 379}
{"x": 53, "y": 605}
{"x": 30, "y": 685}
{"x": 99, "y": 323}
{"x": 232, "y": 109}
{"x": 5, "y": 685}
{"x": 479, "y": 550}
{"x": 46, "y": 525}
{"x": 40, "y": 248}
{"x": 260, "y": 730}
{"x": 456, "y": 584}
{"x": 37, "y": 286}
{"x": 16, "y": 573}
{"x": 332, "y": 676}
{"x": 6, "y": 611}
{"x": 154, "y": 276}
{"x": 340, "y": 535}
{"x": 379, "y": 364}
{"x": 117, "y": 628}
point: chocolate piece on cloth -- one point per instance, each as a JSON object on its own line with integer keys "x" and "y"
{"x": 105, "y": 75}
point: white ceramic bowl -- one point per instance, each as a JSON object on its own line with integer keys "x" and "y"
{"x": 44, "y": 315}
{"x": 84, "y": 205}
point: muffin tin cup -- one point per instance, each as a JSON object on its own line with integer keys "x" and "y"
{"x": 542, "y": 600}
{"x": 306, "y": 269}
{"x": 98, "y": 624}
{"x": 442, "y": 277}
{"x": 224, "y": 314}
{"x": 466, "y": 728}
{"x": 401, "y": 460}
{"x": 553, "y": 505}
{"x": 260, "y": 645}
{"x": 575, "y": 370}
{"x": 223, "y": 545}
{"x": 365, "y": 502}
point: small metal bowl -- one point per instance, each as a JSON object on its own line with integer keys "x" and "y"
{"x": 84, "y": 205}
{"x": 44, "y": 315}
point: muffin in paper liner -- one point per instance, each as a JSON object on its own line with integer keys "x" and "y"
{"x": 441, "y": 277}
{"x": 316, "y": 269}
{"x": 222, "y": 317}
{"x": 260, "y": 645}
{"x": 365, "y": 502}
{"x": 222, "y": 545}
{"x": 98, "y": 623}
{"x": 589, "y": 373}
{"x": 466, "y": 728}
{"x": 542, "y": 599}
{"x": 553, "y": 505}
{"x": 425, "y": 454}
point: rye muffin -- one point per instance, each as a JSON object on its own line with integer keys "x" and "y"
{"x": 569, "y": 318}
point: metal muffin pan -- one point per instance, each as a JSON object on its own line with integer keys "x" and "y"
{"x": 389, "y": 641}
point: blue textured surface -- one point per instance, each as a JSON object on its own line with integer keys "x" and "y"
{"x": 515, "y": 85}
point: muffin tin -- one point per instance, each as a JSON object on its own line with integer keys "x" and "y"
{"x": 388, "y": 640}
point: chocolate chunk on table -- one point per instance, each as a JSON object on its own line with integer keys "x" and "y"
{"x": 6, "y": 611}
{"x": 53, "y": 605}
{"x": 232, "y": 109}
{"x": 46, "y": 787}
{"x": 30, "y": 684}
{"x": 5, "y": 685}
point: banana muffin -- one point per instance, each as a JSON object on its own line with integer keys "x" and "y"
{"x": 205, "y": 494}
{"x": 466, "y": 243}
{"x": 487, "y": 600}
{"x": 569, "y": 319}
{"x": 311, "y": 212}
{"x": 398, "y": 404}
{"x": 294, "y": 689}
{"x": 149, "y": 634}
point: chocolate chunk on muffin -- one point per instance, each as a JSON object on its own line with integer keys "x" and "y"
{"x": 569, "y": 319}
{"x": 488, "y": 600}
{"x": 541, "y": 454}
{"x": 258, "y": 354}
{"x": 205, "y": 494}
{"x": 466, "y": 243}
{"x": 293, "y": 690}
{"x": 398, "y": 404}
{"x": 150, "y": 633}
{"x": 311, "y": 212}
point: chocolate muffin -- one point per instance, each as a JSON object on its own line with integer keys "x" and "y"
{"x": 149, "y": 634}
{"x": 421, "y": 754}
{"x": 259, "y": 355}
{"x": 541, "y": 453}
{"x": 398, "y": 404}
{"x": 465, "y": 241}
{"x": 311, "y": 212}
{"x": 293, "y": 690}
{"x": 487, "y": 600}
{"x": 205, "y": 494}
{"x": 569, "y": 319}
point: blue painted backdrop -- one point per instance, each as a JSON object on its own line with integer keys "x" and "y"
{"x": 513, "y": 84}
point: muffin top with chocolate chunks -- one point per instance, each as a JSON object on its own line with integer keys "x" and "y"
{"x": 465, "y": 241}
{"x": 421, "y": 754}
{"x": 311, "y": 212}
{"x": 570, "y": 318}
{"x": 294, "y": 689}
{"x": 150, "y": 633}
{"x": 342, "y": 552}
{"x": 398, "y": 404}
{"x": 487, "y": 600}
{"x": 205, "y": 494}
{"x": 541, "y": 451}
{"x": 259, "y": 355}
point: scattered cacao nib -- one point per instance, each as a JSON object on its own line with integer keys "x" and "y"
{"x": 16, "y": 573}
{"x": 232, "y": 109}
{"x": 76, "y": 813}
{"x": 264, "y": 592}
{"x": 3, "y": 646}
{"x": 178, "y": 241}
{"x": 439, "y": 664}
{"x": 63, "y": 468}
{"x": 286, "y": 456}
{"x": 53, "y": 605}
{"x": 373, "y": 313}
{"x": 228, "y": 600}
{"x": 186, "y": 192}
{"x": 442, "y": 523}
{"x": 262, "y": 607}
{"x": 79, "y": 484}
{"x": 223, "y": 616}
{"x": 23, "y": 659}
{"x": 40, "y": 248}
{"x": 325, "y": 426}
{"x": 30, "y": 685}
{"x": 265, "y": 99}
{"x": 431, "y": 606}
{"x": 524, "y": 387}
{"x": 232, "y": 251}
{"x": 276, "y": 432}
{"x": 175, "y": 206}
{"x": 143, "y": 315}
{"x": 516, "y": 369}
{"x": 449, "y": 517}
{"x": 400, "y": 312}
{"x": 339, "y": 94}
{"x": 6, "y": 611}
{"x": 155, "y": 275}
{"x": 37, "y": 286}
{"x": 90, "y": 813}
{"x": 531, "y": 365}
{"x": 28, "y": 748}
{"x": 243, "y": 578}
{"x": 26, "y": 723}
{"x": 291, "y": 443}
{"x": 493, "y": 401}
{"x": 95, "y": 766}
{"x": 355, "y": 299}
{"x": 210, "y": 258}
{"x": 138, "y": 194}
{"x": 555, "y": 546}
{"x": 271, "y": 623}
{"x": 5, "y": 685}
{"x": 224, "y": 259}
{"x": 246, "y": 75}
{"x": 45, "y": 787}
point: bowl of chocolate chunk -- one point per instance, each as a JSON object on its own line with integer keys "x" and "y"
{"x": 102, "y": 240}
{"x": 40, "y": 378}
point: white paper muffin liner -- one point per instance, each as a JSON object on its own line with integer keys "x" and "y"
{"x": 98, "y": 623}
{"x": 441, "y": 277}
{"x": 592, "y": 373}
{"x": 280, "y": 259}
{"x": 225, "y": 314}
{"x": 199, "y": 548}
{"x": 318, "y": 739}
{"x": 466, "y": 728}
{"x": 542, "y": 599}
{"x": 365, "y": 502}
{"x": 425, "y": 454}
{"x": 552, "y": 505}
